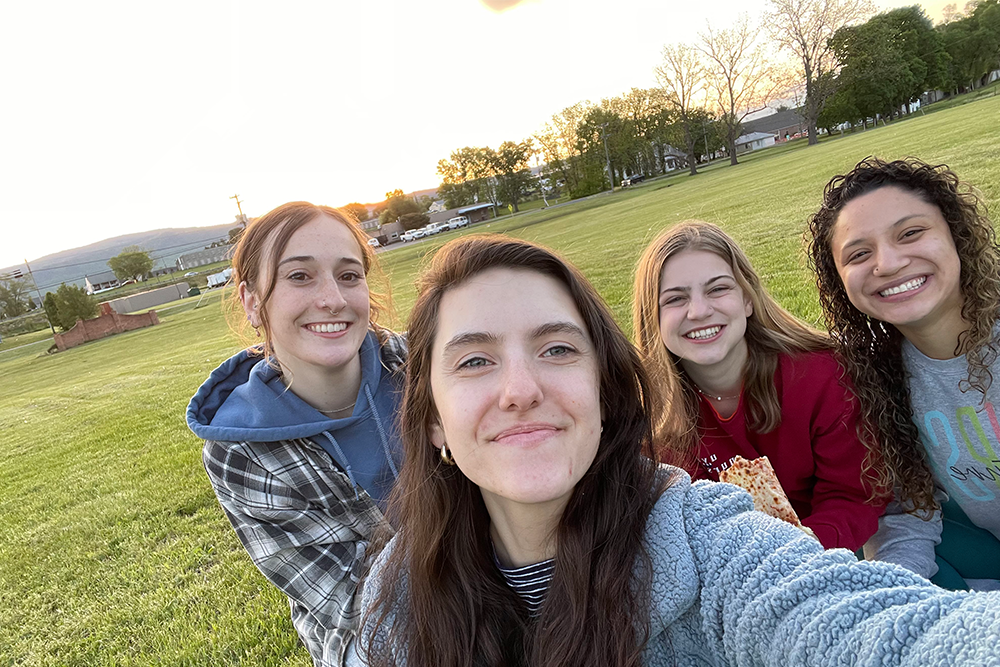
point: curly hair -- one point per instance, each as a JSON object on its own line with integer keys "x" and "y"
{"x": 872, "y": 349}
{"x": 771, "y": 330}
{"x": 455, "y": 608}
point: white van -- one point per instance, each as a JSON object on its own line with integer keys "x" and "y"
{"x": 460, "y": 221}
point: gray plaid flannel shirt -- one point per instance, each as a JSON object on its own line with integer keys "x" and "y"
{"x": 305, "y": 526}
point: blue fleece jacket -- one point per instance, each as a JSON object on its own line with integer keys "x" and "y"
{"x": 244, "y": 399}
{"x": 732, "y": 587}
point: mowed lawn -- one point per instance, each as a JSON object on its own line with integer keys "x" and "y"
{"x": 113, "y": 550}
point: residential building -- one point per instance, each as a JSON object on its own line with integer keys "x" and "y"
{"x": 754, "y": 141}
{"x": 784, "y": 125}
{"x": 202, "y": 257}
{"x": 101, "y": 282}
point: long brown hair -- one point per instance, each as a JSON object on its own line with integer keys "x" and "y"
{"x": 872, "y": 349}
{"x": 455, "y": 608}
{"x": 771, "y": 330}
{"x": 257, "y": 254}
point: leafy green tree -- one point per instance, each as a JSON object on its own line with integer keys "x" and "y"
{"x": 13, "y": 297}
{"x": 51, "y": 309}
{"x": 234, "y": 235}
{"x": 973, "y": 45}
{"x": 561, "y": 150}
{"x": 357, "y": 211}
{"x": 511, "y": 170}
{"x": 132, "y": 263}
{"x": 72, "y": 304}
{"x": 466, "y": 177}
{"x": 397, "y": 204}
{"x": 414, "y": 220}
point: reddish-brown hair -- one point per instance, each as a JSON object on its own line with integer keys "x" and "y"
{"x": 259, "y": 249}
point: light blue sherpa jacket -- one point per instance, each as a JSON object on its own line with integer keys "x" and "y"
{"x": 735, "y": 587}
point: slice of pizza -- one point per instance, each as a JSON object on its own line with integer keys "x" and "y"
{"x": 757, "y": 477}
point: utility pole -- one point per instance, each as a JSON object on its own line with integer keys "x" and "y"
{"x": 611, "y": 174}
{"x": 243, "y": 218}
{"x": 40, "y": 299}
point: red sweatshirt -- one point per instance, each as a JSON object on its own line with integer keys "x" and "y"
{"x": 815, "y": 449}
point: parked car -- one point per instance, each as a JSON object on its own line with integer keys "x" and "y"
{"x": 436, "y": 227}
{"x": 406, "y": 236}
{"x": 460, "y": 221}
{"x": 190, "y": 273}
{"x": 373, "y": 242}
{"x": 632, "y": 180}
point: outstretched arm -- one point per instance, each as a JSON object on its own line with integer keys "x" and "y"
{"x": 771, "y": 596}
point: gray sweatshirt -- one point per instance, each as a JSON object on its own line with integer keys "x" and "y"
{"x": 961, "y": 434}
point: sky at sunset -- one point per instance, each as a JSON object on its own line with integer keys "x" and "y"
{"x": 121, "y": 117}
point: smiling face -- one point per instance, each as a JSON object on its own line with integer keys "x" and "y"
{"x": 319, "y": 310}
{"x": 897, "y": 260}
{"x": 516, "y": 386}
{"x": 703, "y": 311}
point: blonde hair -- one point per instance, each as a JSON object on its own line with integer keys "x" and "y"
{"x": 771, "y": 330}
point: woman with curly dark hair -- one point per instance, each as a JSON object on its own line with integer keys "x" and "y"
{"x": 908, "y": 271}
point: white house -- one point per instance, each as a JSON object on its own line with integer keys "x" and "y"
{"x": 754, "y": 141}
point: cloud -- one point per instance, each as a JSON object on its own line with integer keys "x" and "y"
{"x": 501, "y": 5}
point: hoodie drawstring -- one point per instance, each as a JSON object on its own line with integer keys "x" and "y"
{"x": 381, "y": 433}
{"x": 347, "y": 462}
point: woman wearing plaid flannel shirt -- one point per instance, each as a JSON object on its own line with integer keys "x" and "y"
{"x": 301, "y": 445}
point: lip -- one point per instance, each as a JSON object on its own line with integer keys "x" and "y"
{"x": 710, "y": 339}
{"x": 525, "y": 434}
{"x": 903, "y": 281}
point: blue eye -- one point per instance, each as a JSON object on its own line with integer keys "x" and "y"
{"x": 558, "y": 351}
{"x": 474, "y": 362}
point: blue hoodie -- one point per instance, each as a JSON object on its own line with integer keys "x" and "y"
{"x": 244, "y": 399}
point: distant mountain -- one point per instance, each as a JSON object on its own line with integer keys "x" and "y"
{"x": 165, "y": 246}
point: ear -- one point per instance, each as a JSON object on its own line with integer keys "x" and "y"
{"x": 748, "y": 307}
{"x": 250, "y": 303}
{"x": 437, "y": 435}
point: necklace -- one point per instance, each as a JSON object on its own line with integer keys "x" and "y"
{"x": 336, "y": 410}
{"x": 713, "y": 397}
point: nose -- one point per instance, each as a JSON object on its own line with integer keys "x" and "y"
{"x": 889, "y": 260}
{"x": 520, "y": 388}
{"x": 699, "y": 307}
{"x": 330, "y": 297}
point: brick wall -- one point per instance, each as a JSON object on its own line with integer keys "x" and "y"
{"x": 101, "y": 327}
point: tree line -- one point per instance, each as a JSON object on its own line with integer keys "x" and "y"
{"x": 842, "y": 64}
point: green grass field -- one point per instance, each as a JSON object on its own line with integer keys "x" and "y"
{"x": 113, "y": 550}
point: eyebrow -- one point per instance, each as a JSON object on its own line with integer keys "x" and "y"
{"x": 310, "y": 258}
{"x": 905, "y": 218}
{"x": 688, "y": 289}
{"x": 486, "y": 338}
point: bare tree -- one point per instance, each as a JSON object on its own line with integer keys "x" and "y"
{"x": 740, "y": 75}
{"x": 681, "y": 75}
{"x": 804, "y": 28}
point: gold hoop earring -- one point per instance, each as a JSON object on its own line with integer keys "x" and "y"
{"x": 446, "y": 456}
